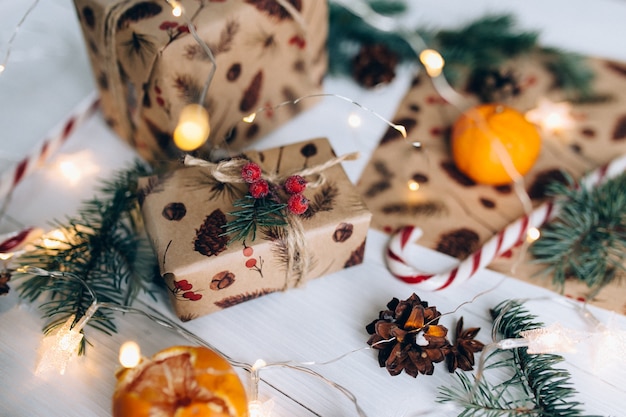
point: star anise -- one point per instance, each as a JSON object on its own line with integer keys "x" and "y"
{"x": 461, "y": 354}
{"x": 408, "y": 337}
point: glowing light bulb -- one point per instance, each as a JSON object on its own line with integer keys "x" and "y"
{"x": 5, "y": 256}
{"x": 58, "y": 348}
{"x": 258, "y": 408}
{"x": 260, "y": 363}
{"x": 130, "y": 354}
{"x": 401, "y": 129}
{"x": 70, "y": 171}
{"x": 413, "y": 185}
{"x": 354, "y": 120}
{"x": 54, "y": 239}
{"x": 177, "y": 9}
{"x": 533, "y": 234}
{"x": 551, "y": 339}
{"x": 2, "y": 68}
{"x": 250, "y": 118}
{"x": 551, "y": 117}
{"x": 193, "y": 127}
{"x": 432, "y": 61}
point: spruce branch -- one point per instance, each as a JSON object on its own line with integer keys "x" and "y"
{"x": 483, "y": 44}
{"x": 587, "y": 239}
{"x": 535, "y": 388}
{"x": 253, "y": 213}
{"x": 105, "y": 248}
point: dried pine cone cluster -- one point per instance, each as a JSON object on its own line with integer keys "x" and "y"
{"x": 408, "y": 337}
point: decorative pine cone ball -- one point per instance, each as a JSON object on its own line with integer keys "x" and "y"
{"x": 408, "y": 337}
{"x": 373, "y": 65}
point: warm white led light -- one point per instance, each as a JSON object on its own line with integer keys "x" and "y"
{"x": 432, "y": 61}
{"x": 413, "y": 185}
{"x": 354, "y": 120}
{"x": 193, "y": 127}
{"x": 533, "y": 234}
{"x": 130, "y": 354}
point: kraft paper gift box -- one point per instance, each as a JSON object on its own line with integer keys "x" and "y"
{"x": 185, "y": 212}
{"x": 148, "y": 66}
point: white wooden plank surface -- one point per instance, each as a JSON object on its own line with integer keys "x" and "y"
{"x": 326, "y": 318}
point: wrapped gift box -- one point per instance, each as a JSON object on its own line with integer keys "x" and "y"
{"x": 185, "y": 212}
{"x": 148, "y": 66}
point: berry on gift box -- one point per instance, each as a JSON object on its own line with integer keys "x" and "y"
{"x": 251, "y": 172}
{"x": 297, "y": 204}
{"x": 259, "y": 189}
{"x": 295, "y": 184}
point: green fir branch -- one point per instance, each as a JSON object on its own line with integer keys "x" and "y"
{"x": 587, "y": 239}
{"x": 253, "y": 213}
{"x": 535, "y": 386}
{"x": 105, "y": 249}
{"x": 483, "y": 44}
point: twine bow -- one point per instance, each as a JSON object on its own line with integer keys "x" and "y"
{"x": 299, "y": 259}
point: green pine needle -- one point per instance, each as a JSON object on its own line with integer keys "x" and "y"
{"x": 106, "y": 250}
{"x": 587, "y": 239}
{"x": 535, "y": 386}
{"x": 483, "y": 44}
{"x": 253, "y": 213}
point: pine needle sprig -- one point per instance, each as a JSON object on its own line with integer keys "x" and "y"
{"x": 483, "y": 44}
{"x": 535, "y": 388}
{"x": 105, "y": 249}
{"x": 587, "y": 239}
{"x": 253, "y": 213}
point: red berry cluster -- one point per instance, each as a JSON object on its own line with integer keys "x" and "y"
{"x": 259, "y": 188}
{"x": 297, "y": 203}
{"x": 251, "y": 173}
{"x": 185, "y": 287}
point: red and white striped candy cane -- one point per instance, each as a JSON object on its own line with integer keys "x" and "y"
{"x": 12, "y": 177}
{"x": 400, "y": 242}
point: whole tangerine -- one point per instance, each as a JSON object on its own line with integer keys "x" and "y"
{"x": 180, "y": 381}
{"x": 491, "y": 141}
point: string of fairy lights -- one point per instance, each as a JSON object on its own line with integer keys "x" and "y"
{"x": 193, "y": 130}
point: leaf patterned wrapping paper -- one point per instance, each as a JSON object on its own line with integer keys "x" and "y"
{"x": 458, "y": 216}
{"x": 184, "y": 212}
{"x": 148, "y": 66}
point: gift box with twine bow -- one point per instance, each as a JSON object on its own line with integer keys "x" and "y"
{"x": 187, "y": 213}
{"x": 148, "y": 66}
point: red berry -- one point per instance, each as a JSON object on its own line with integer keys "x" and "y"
{"x": 251, "y": 172}
{"x": 259, "y": 189}
{"x": 295, "y": 184}
{"x": 248, "y": 251}
{"x": 297, "y": 204}
{"x": 250, "y": 263}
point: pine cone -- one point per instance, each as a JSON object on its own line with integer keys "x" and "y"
{"x": 374, "y": 65}
{"x": 210, "y": 238}
{"x": 461, "y": 355}
{"x": 408, "y": 337}
{"x": 493, "y": 85}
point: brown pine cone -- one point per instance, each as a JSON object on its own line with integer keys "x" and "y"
{"x": 374, "y": 65}
{"x": 461, "y": 355}
{"x": 408, "y": 337}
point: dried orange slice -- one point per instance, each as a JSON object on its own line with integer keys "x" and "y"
{"x": 491, "y": 139}
{"x": 180, "y": 381}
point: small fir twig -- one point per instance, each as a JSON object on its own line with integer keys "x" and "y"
{"x": 253, "y": 213}
{"x": 587, "y": 239}
{"x": 481, "y": 46}
{"x": 536, "y": 387}
{"x": 105, "y": 249}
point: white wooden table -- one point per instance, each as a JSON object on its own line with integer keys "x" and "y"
{"x": 322, "y": 321}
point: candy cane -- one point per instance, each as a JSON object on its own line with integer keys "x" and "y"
{"x": 401, "y": 241}
{"x": 12, "y": 177}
